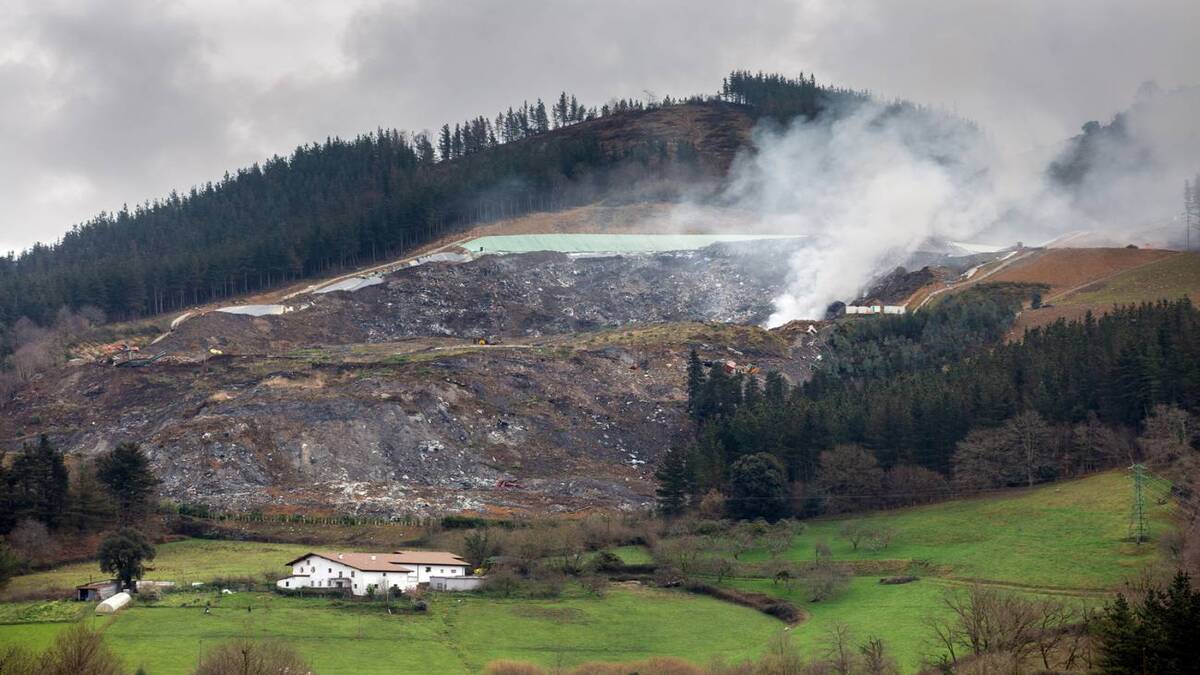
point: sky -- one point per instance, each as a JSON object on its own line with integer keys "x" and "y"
{"x": 120, "y": 101}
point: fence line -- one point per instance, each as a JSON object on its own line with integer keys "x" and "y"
{"x": 404, "y": 520}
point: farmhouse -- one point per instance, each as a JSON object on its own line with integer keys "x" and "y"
{"x": 362, "y": 573}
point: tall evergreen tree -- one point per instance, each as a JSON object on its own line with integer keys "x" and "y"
{"x": 37, "y": 484}
{"x": 125, "y": 472}
{"x": 675, "y": 482}
{"x": 695, "y": 383}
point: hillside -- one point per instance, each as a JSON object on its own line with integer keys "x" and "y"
{"x": 381, "y": 400}
{"x": 1096, "y": 280}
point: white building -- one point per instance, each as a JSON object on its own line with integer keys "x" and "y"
{"x": 875, "y": 309}
{"x": 359, "y": 572}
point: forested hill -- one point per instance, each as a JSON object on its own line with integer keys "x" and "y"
{"x": 343, "y": 203}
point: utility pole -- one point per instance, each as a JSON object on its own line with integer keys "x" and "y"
{"x": 1187, "y": 215}
{"x": 1137, "y": 517}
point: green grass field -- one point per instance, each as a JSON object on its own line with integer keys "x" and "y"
{"x": 182, "y": 562}
{"x": 458, "y": 634}
{"x": 896, "y": 614}
{"x": 1066, "y": 535}
{"x": 1065, "y": 539}
{"x": 1170, "y": 278}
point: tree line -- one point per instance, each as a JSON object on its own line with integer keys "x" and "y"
{"x": 46, "y": 507}
{"x": 917, "y": 407}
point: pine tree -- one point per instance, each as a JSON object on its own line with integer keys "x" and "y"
{"x": 37, "y": 484}
{"x": 541, "y": 122}
{"x": 675, "y": 482}
{"x": 445, "y": 144}
{"x": 695, "y": 383}
{"x": 125, "y": 472}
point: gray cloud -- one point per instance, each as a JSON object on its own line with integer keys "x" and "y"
{"x": 105, "y": 103}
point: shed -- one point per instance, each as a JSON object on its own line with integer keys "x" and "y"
{"x": 455, "y": 583}
{"x": 97, "y": 590}
{"x": 111, "y": 605}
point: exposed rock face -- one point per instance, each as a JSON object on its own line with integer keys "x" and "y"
{"x": 360, "y": 403}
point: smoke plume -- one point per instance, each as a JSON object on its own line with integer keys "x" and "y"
{"x": 870, "y": 187}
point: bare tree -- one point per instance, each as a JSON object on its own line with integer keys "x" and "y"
{"x": 31, "y": 540}
{"x": 984, "y": 620}
{"x": 853, "y": 531}
{"x": 682, "y": 554}
{"x": 1170, "y": 435}
{"x": 839, "y": 649}
{"x": 246, "y": 657}
{"x": 876, "y": 660}
{"x": 825, "y": 580}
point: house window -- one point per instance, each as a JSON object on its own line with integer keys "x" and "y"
{"x": 287, "y": 584}
{"x": 428, "y": 569}
{"x": 351, "y": 573}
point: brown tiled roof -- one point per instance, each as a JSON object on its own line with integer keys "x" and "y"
{"x": 366, "y": 562}
{"x": 428, "y": 558}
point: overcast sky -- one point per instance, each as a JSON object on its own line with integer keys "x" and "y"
{"x": 118, "y": 101}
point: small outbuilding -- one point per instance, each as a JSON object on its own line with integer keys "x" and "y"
{"x": 97, "y": 591}
{"x": 456, "y": 583}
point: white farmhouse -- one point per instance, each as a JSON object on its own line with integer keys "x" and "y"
{"x": 359, "y": 572}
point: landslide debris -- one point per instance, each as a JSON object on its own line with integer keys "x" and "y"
{"x": 386, "y": 400}
{"x": 528, "y": 295}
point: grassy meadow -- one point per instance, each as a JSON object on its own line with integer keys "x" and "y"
{"x": 459, "y": 633}
{"x": 1173, "y": 277}
{"x": 1067, "y": 535}
{"x": 1065, "y": 539}
{"x": 181, "y": 561}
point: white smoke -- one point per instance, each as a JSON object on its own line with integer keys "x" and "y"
{"x": 866, "y": 190}
{"x": 869, "y": 188}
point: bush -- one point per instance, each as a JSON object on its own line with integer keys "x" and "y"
{"x": 546, "y": 585}
{"x": 780, "y": 609}
{"x": 825, "y": 581}
{"x": 245, "y": 657}
{"x": 607, "y": 561}
{"x": 458, "y": 522}
{"x": 595, "y": 584}
{"x": 78, "y": 649}
{"x": 904, "y": 579}
{"x": 502, "y": 582}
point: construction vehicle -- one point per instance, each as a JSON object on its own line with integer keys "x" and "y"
{"x": 138, "y": 363}
{"x": 733, "y": 368}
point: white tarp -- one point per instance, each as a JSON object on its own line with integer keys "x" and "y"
{"x": 351, "y": 284}
{"x": 111, "y": 605}
{"x": 255, "y": 310}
